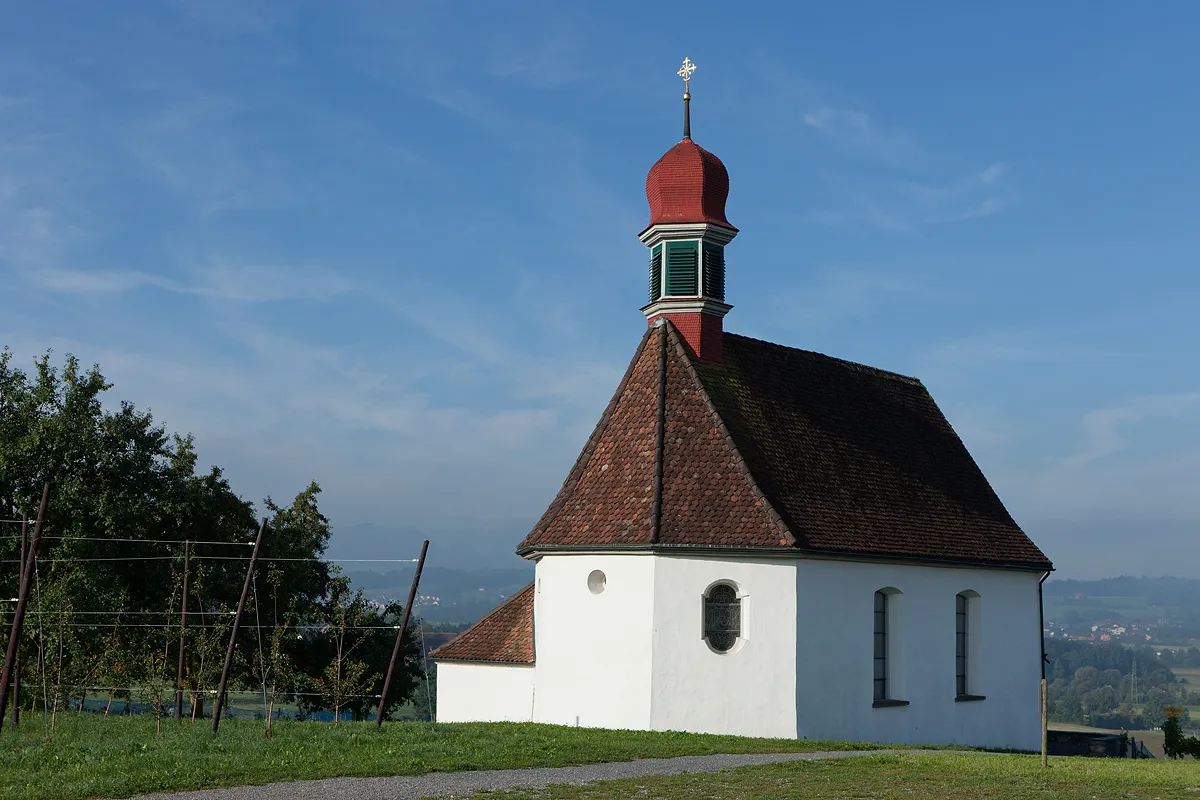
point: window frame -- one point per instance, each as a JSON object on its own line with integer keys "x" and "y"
{"x": 879, "y": 674}
{"x": 735, "y": 610}
{"x": 965, "y": 640}
{"x": 885, "y": 657}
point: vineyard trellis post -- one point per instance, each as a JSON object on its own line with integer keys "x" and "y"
{"x": 16, "y": 678}
{"x": 187, "y": 563}
{"x": 412, "y": 596}
{"x": 219, "y": 702}
{"x": 14, "y": 638}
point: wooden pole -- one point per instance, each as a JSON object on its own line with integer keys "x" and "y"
{"x": 16, "y": 680}
{"x": 1045, "y": 727}
{"x": 412, "y": 596}
{"x": 14, "y": 637}
{"x": 1042, "y": 650}
{"x": 187, "y": 563}
{"x": 237, "y": 622}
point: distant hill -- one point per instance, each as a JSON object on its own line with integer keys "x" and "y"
{"x": 1162, "y": 610}
{"x": 446, "y": 595}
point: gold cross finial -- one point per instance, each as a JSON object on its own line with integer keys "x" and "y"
{"x": 685, "y": 72}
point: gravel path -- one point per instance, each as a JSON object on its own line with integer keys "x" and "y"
{"x": 458, "y": 784}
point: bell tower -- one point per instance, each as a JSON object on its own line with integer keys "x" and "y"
{"x": 687, "y": 235}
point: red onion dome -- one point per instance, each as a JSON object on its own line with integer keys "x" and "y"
{"x": 688, "y": 185}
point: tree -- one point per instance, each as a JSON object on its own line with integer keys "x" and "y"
{"x": 351, "y": 651}
{"x": 346, "y": 679}
{"x": 424, "y": 698}
{"x": 126, "y": 496}
{"x": 1175, "y": 744}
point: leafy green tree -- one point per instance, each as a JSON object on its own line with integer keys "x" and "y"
{"x": 126, "y": 497}
{"x": 354, "y": 631}
{"x": 1175, "y": 744}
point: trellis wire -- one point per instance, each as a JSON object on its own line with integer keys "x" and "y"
{"x": 225, "y": 558}
{"x": 42, "y": 613}
{"x": 212, "y": 691}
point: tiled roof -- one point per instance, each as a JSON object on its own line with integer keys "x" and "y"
{"x": 504, "y": 636}
{"x": 688, "y": 184}
{"x": 779, "y": 447}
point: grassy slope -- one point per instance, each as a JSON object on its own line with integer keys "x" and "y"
{"x": 95, "y": 756}
{"x": 948, "y": 776}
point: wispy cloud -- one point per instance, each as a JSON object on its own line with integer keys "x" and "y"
{"x": 857, "y": 133}
{"x": 234, "y": 16}
{"x": 1103, "y": 428}
{"x": 1013, "y": 347}
{"x": 838, "y": 294}
{"x": 222, "y": 280}
{"x": 227, "y": 280}
{"x": 542, "y": 59}
{"x": 908, "y": 207}
{"x": 198, "y": 148}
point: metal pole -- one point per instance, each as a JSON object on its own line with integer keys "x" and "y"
{"x": 16, "y": 680}
{"x": 14, "y": 638}
{"x": 187, "y": 563}
{"x": 237, "y": 621}
{"x": 412, "y": 596}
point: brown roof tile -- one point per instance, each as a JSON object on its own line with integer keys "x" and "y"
{"x": 856, "y": 459}
{"x": 607, "y": 496}
{"x": 505, "y": 635}
{"x": 780, "y": 447}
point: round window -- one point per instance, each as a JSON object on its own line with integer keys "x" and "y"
{"x": 596, "y": 582}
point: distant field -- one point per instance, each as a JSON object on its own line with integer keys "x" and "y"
{"x": 1127, "y": 609}
{"x": 1189, "y": 674}
{"x": 944, "y": 776}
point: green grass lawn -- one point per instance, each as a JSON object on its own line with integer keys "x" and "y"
{"x": 95, "y": 756}
{"x": 942, "y": 776}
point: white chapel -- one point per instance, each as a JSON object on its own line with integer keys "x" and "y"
{"x": 761, "y": 540}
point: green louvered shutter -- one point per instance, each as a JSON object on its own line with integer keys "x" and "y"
{"x": 714, "y": 271}
{"x": 683, "y": 268}
{"x": 656, "y": 273}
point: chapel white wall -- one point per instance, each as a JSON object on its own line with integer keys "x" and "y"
{"x": 593, "y": 651}
{"x": 747, "y": 691}
{"x": 835, "y": 650}
{"x": 477, "y": 692}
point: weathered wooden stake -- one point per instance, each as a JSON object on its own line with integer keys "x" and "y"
{"x": 219, "y": 702}
{"x": 412, "y": 596}
{"x": 14, "y": 638}
{"x": 187, "y": 563}
{"x": 16, "y": 681}
{"x": 1045, "y": 726}
{"x": 1042, "y": 650}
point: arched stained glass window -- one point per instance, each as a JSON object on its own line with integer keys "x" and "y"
{"x": 722, "y": 617}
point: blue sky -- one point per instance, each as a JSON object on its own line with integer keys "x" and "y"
{"x": 392, "y": 246}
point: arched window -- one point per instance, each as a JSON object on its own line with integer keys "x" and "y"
{"x": 881, "y": 646}
{"x": 966, "y": 646}
{"x": 960, "y": 645}
{"x": 887, "y": 675}
{"x": 722, "y": 617}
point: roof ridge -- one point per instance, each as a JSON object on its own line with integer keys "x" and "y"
{"x": 512, "y": 599}
{"x": 572, "y": 479}
{"x": 857, "y": 365}
{"x": 776, "y": 519}
{"x": 660, "y": 433}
